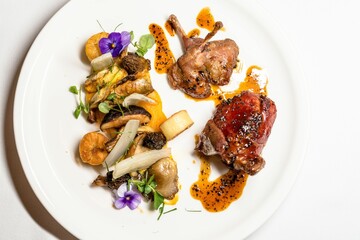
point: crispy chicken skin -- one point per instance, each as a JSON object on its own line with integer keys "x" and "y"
{"x": 204, "y": 62}
{"x": 238, "y": 131}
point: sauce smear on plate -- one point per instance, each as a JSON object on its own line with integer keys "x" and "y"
{"x": 217, "y": 195}
{"x": 164, "y": 58}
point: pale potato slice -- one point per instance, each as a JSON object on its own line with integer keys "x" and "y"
{"x": 92, "y": 49}
{"x": 176, "y": 124}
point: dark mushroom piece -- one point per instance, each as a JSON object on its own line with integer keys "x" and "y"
{"x": 116, "y": 118}
{"x": 154, "y": 140}
{"x": 134, "y": 63}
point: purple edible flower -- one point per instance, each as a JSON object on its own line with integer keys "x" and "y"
{"x": 115, "y": 43}
{"x": 126, "y": 197}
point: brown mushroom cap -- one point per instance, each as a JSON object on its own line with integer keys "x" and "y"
{"x": 166, "y": 177}
{"x": 116, "y": 118}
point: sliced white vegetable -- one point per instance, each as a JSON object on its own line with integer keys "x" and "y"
{"x": 102, "y": 61}
{"x": 123, "y": 143}
{"x": 139, "y": 161}
{"x": 135, "y": 98}
{"x": 176, "y": 124}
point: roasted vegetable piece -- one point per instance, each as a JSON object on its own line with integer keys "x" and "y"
{"x": 166, "y": 177}
{"x": 119, "y": 117}
{"x": 123, "y": 143}
{"x": 176, "y": 124}
{"x": 92, "y": 49}
{"x": 92, "y": 148}
{"x": 154, "y": 140}
{"x": 140, "y": 161}
{"x": 134, "y": 63}
{"x": 109, "y": 181}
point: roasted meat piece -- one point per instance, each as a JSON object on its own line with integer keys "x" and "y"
{"x": 238, "y": 131}
{"x": 204, "y": 62}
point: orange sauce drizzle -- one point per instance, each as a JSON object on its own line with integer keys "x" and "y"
{"x": 255, "y": 81}
{"x": 156, "y": 110}
{"x": 217, "y": 195}
{"x": 164, "y": 58}
{"x": 205, "y": 19}
{"x": 193, "y": 33}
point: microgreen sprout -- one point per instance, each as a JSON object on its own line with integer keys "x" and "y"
{"x": 104, "y": 107}
{"x": 111, "y": 96}
{"x": 145, "y": 42}
{"x": 81, "y": 107}
{"x": 147, "y": 186}
{"x": 161, "y": 211}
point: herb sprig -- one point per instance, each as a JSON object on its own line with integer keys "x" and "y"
{"x": 147, "y": 186}
{"x": 104, "y": 107}
{"x": 81, "y": 107}
{"x": 145, "y": 43}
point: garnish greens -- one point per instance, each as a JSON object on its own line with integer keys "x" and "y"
{"x": 104, "y": 107}
{"x": 145, "y": 42}
{"x": 81, "y": 107}
{"x": 146, "y": 186}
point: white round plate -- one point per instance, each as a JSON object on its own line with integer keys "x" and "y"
{"x": 47, "y": 134}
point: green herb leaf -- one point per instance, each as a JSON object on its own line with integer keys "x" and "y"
{"x": 87, "y": 108}
{"x": 146, "y": 41}
{"x": 77, "y": 111}
{"x": 104, "y": 107}
{"x": 111, "y": 96}
{"x": 153, "y": 184}
{"x": 158, "y": 200}
{"x": 81, "y": 107}
{"x": 132, "y": 36}
{"x": 147, "y": 189}
{"x": 141, "y": 188}
{"x": 74, "y": 90}
{"x": 171, "y": 210}
{"x": 151, "y": 179}
{"x": 141, "y": 52}
{"x": 161, "y": 211}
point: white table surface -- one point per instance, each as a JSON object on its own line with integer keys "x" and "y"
{"x": 325, "y": 200}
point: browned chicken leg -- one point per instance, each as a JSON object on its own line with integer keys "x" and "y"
{"x": 238, "y": 131}
{"x": 204, "y": 62}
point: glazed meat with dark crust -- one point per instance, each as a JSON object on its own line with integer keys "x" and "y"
{"x": 238, "y": 131}
{"x": 204, "y": 62}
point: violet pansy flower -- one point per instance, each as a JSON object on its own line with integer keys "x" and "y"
{"x": 115, "y": 43}
{"x": 126, "y": 197}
